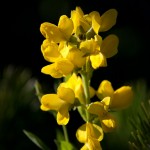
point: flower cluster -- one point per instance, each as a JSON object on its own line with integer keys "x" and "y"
{"x": 74, "y": 49}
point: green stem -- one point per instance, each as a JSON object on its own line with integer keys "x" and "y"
{"x": 65, "y": 133}
{"x": 86, "y": 91}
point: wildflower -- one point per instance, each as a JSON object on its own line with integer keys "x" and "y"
{"x": 60, "y": 102}
{"x": 91, "y": 135}
{"x": 119, "y": 99}
{"x": 99, "y": 50}
{"x": 93, "y": 20}
{"x": 75, "y": 83}
{"x": 100, "y": 109}
{"x": 59, "y": 33}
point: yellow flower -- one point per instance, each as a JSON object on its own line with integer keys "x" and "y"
{"x": 76, "y": 84}
{"x": 91, "y": 135}
{"x": 50, "y": 51}
{"x": 119, "y": 99}
{"x": 60, "y": 102}
{"x": 93, "y": 20}
{"x": 108, "y": 48}
{"x": 100, "y": 109}
{"x": 60, "y": 68}
{"x": 59, "y": 33}
{"x": 104, "y": 22}
{"x": 78, "y": 19}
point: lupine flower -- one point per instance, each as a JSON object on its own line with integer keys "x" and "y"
{"x": 119, "y": 99}
{"x": 60, "y": 102}
{"x": 91, "y": 135}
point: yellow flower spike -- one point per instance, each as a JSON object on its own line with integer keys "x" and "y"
{"x": 109, "y": 46}
{"x": 122, "y": 98}
{"x": 105, "y": 89}
{"x": 91, "y": 135}
{"x": 52, "y": 32}
{"x": 66, "y": 94}
{"x": 90, "y": 47}
{"x": 66, "y": 26}
{"x": 50, "y": 51}
{"x": 76, "y": 57}
{"x": 108, "y": 20}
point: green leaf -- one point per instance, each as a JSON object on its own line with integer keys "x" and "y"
{"x": 64, "y": 145}
{"x": 36, "y": 140}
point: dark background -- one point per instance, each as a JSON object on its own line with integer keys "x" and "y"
{"x": 21, "y": 40}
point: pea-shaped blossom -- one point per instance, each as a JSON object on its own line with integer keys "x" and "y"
{"x": 100, "y": 109}
{"x": 75, "y": 83}
{"x": 119, "y": 99}
{"x": 93, "y": 20}
{"x": 91, "y": 135}
{"x": 59, "y": 33}
{"x": 62, "y": 59}
{"x": 99, "y": 50}
{"x": 60, "y": 102}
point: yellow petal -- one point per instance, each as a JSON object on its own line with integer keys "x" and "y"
{"x": 81, "y": 134}
{"x": 64, "y": 66}
{"x": 51, "y": 32}
{"x": 108, "y": 20}
{"x": 51, "y": 70}
{"x": 79, "y": 93}
{"x": 105, "y": 89}
{"x": 89, "y": 47}
{"x": 76, "y": 57}
{"x": 122, "y": 98}
{"x": 66, "y": 26}
{"x": 50, "y": 51}
{"x": 63, "y": 115}
{"x": 96, "y": 108}
{"x": 106, "y": 101}
{"x": 78, "y": 19}
{"x": 98, "y": 60}
{"x": 51, "y": 102}
{"x": 66, "y": 94}
{"x": 98, "y": 39}
{"x": 94, "y": 131}
{"x": 108, "y": 123}
{"x": 95, "y": 21}
{"x": 93, "y": 144}
{"x": 72, "y": 81}
{"x": 109, "y": 46}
